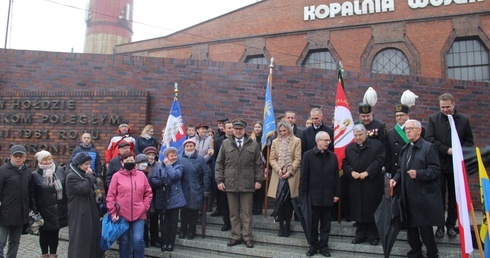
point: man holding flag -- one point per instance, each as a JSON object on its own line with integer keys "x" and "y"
{"x": 439, "y": 134}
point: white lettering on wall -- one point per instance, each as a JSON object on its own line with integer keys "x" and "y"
{"x": 349, "y": 8}
{"x": 414, "y": 4}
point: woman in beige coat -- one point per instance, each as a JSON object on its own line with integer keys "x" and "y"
{"x": 285, "y": 159}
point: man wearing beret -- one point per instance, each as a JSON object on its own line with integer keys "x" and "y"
{"x": 239, "y": 173}
{"x": 15, "y": 199}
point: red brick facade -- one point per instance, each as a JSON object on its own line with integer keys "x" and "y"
{"x": 276, "y": 28}
{"x": 211, "y": 90}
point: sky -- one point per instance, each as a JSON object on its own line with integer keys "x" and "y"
{"x": 59, "y": 25}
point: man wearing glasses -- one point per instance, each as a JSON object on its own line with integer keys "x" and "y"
{"x": 15, "y": 196}
{"x": 396, "y": 139}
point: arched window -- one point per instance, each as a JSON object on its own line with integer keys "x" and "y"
{"x": 467, "y": 59}
{"x": 391, "y": 61}
{"x": 256, "y": 59}
{"x": 320, "y": 59}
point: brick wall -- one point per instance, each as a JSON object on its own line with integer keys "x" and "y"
{"x": 209, "y": 90}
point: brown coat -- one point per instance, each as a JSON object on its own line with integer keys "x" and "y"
{"x": 295, "y": 147}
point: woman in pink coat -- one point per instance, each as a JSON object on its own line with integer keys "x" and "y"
{"x": 130, "y": 189}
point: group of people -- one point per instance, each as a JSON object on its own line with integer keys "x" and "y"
{"x": 230, "y": 166}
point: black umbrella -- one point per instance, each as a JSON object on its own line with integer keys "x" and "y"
{"x": 470, "y": 160}
{"x": 388, "y": 218}
{"x": 302, "y": 207}
{"x": 281, "y": 195}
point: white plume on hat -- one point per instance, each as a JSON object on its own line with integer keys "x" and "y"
{"x": 408, "y": 98}
{"x": 370, "y": 97}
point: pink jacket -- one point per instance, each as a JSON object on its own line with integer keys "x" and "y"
{"x": 133, "y": 193}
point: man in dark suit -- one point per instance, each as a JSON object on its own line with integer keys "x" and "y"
{"x": 439, "y": 134}
{"x": 308, "y": 137}
{"x": 396, "y": 138}
{"x": 418, "y": 175}
{"x": 290, "y": 116}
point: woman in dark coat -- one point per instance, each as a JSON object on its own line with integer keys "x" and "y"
{"x": 50, "y": 201}
{"x": 145, "y": 140}
{"x": 196, "y": 184}
{"x": 83, "y": 215}
{"x": 171, "y": 202}
{"x": 362, "y": 167}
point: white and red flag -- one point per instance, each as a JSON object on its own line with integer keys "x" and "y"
{"x": 463, "y": 199}
{"x": 343, "y": 124}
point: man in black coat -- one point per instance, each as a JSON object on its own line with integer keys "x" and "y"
{"x": 418, "y": 175}
{"x": 290, "y": 116}
{"x": 308, "y": 137}
{"x": 439, "y": 134}
{"x": 362, "y": 165}
{"x": 375, "y": 128}
{"x": 320, "y": 179}
{"x": 15, "y": 199}
{"x": 396, "y": 138}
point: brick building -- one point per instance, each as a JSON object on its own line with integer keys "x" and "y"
{"x": 436, "y": 38}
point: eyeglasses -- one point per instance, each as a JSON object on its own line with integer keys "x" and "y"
{"x": 411, "y": 128}
{"x": 325, "y": 140}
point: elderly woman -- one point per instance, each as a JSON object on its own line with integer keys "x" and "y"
{"x": 50, "y": 201}
{"x": 131, "y": 190}
{"x": 83, "y": 214}
{"x": 362, "y": 167}
{"x": 285, "y": 159}
{"x": 196, "y": 183}
{"x": 169, "y": 179}
{"x": 146, "y": 139}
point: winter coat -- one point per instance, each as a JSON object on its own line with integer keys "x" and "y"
{"x": 196, "y": 179}
{"x": 172, "y": 174}
{"x": 95, "y": 165}
{"x": 131, "y": 190}
{"x": 293, "y": 180}
{"x": 364, "y": 195}
{"x": 308, "y": 137}
{"x": 152, "y": 169}
{"x": 53, "y": 211}
{"x": 203, "y": 144}
{"x": 114, "y": 166}
{"x": 15, "y": 194}
{"x": 421, "y": 197}
{"x": 239, "y": 169}
{"x": 439, "y": 134}
{"x": 393, "y": 146}
{"x": 83, "y": 214}
{"x": 320, "y": 177}
{"x": 141, "y": 143}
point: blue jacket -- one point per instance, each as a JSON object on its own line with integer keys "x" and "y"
{"x": 172, "y": 174}
{"x": 196, "y": 179}
{"x": 95, "y": 165}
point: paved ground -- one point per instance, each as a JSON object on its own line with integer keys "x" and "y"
{"x": 29, "y": 248}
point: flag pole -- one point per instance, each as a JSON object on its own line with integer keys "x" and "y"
{"x": 339, "y": 212}
{"x": 271, "y": 68}
{"x": 475, "y": 228}
{"x": 176, "y": 90}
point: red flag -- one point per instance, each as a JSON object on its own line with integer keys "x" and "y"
{"x": 343, "y": 124}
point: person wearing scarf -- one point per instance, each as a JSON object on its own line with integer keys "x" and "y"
{"x": 51, "y": 201}
{"x": 146, "y": 139}
{"x": 285, "y": 160}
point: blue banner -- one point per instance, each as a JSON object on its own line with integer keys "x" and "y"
{"x": 175, "y": 133}
{"x": 269, "y": 118}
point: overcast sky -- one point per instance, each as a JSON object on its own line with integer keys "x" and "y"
{"x": 59, "y": 25}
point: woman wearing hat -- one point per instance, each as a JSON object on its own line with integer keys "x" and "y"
{"x": 196, "y": 184}
{"x": 130, "y": 189}
{"x": 171, "y": 201}
{"x": 50, "y": 200}
{"x": 83, "y": 214}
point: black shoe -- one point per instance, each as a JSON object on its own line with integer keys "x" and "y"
{"x": 287, "y": 230}
{"x": 325, "y": 252}
{"x": 216, "y": 214}
{"x": 226, "y": 227}
{"x": 374, "y": 242}
{"x": 191, "y": 236}
{"x": 280, "y": 233}
{"x": 164, "y": 248}
{"x": 170, "y": 248}
{"x": 440, "y": 232}
{"x": 156, "y": 244}
{"x": 451, "y": 232}
{"x": 311, "y": 252}
{"x": 358, "y": 240}
{"x": 182, "y": 235}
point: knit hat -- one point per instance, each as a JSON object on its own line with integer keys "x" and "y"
{"x": 140, "y": 158}
{"x": 191, "y": 140}
{"x": 18, "y": 149}
{"x": 150, "y": 149}
{"x": 169, "y": 149}
{"x": 80, "y": 158}
{"x": 123, "y": 144}
{"x": 42, "y": 155}
{"x": 202, "y": 125}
